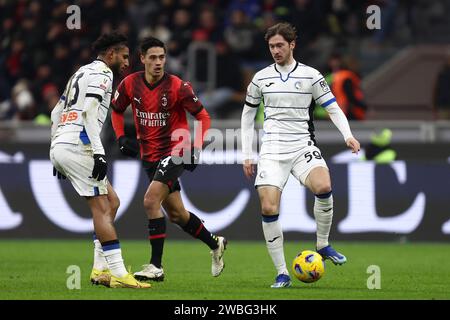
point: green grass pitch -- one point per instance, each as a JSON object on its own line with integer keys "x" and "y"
{"x": 36, "y": 269}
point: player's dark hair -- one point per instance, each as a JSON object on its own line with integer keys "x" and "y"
{"x": 106, "y": 41}
{"x": 284, "y": 29}
{"x": 151, "y": 42}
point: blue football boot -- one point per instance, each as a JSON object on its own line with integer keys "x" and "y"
{"x": 329, "y": 253}
{"x": 282, "y": 281}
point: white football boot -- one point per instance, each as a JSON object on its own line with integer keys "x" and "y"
{"x": 217, "y": 257}
{"x": 150, "y": 272}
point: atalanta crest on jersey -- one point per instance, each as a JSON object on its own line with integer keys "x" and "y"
{"x": 298, "y": 85}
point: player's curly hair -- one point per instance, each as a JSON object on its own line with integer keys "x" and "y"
{"x": 114, "y": 40}
{"x": 150, "y": 42}
{"x": 286, "y": 30}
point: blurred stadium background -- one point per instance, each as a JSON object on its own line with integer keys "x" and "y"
{"x": 404, "y": 74}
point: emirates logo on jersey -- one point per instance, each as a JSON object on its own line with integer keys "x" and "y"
{"x": 152, "y": 119}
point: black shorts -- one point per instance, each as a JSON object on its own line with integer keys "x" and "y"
{"x": 164, "y": 171}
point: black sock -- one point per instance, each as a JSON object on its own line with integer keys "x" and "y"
{"x": 157, "y": 234}
{"x": 196, "y": 229}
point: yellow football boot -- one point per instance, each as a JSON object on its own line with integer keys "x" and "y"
{"x": 127, "y": 281}
{"x": 100, "y": 277}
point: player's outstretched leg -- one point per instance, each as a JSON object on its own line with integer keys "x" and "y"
{"x": 192, "y": 225}
{"x": 217, "y": 244}
{"x": 328, "y": 252}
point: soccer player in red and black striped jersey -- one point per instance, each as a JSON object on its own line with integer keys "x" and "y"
{"x": 159, "y": 102}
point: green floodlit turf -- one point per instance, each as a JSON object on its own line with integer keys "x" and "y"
{"x": 37, "y": 270}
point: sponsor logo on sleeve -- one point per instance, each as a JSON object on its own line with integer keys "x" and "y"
{"x": 324, "y": 86}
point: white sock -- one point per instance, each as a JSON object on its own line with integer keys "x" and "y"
{"x": 323, "y": 212}
{"x": 99, "y": 258}
{"x": 113, "y": 256}
{"x": 274, "y": 242}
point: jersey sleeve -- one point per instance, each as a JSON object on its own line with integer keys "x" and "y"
{"x": 253, "y": 97}
{"x": 121, "y": 98}
{"x": 99, "y": 84}
{"x": 56, "y": 114}
{"x": 321, "y": 91}
{"x": 98, "y": 89}
{"x": 188, "y": 99}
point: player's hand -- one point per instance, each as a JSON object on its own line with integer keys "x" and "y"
{"x": 58, "y": 174}
{"x": 128, "y": 147}
{"x": 353, "y": 144}
{"x": 249, "y": 168}
{"x": 100, "y": 167}
{"x": 194, "y": 159}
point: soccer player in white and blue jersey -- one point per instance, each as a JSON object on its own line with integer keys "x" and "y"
{"x": 287, "y": 88}
{"x": 77, "y": 153}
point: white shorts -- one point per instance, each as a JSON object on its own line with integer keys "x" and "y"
{"x": 275, "y": 173}
{"x": 76, "y": 163}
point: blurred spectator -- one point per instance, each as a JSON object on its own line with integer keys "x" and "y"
{"x": 23, "y": 101}
{"x": 6, "y": 35}
{"x": 113, "y": 9}
{"x": 346, "y": 87}
{"x": 388, "y": 20}
{"x": 333, "y": 65}
{"x": 6, "y": 107}
{"x": 36, "y": 45}
{"x": 279, "y": 8}
{"x": 141, "y": 11}
{"x": 43, "y": 77}
{"x": 261, "y": 56}
{"x": 239, "y": 35}
{"x": 229, "y": 94}
{"x": 31, "y": 32}
{"x": 156, "y": 28}
{"x": 307, "y": 18}
{"x": 180, "y": 40}
{"x": 61, "y": 62}
{"x": 50, "y": 97}
{"x": 442, "y": 92}
{"x": 15, "y": 59}
{"x": 208, "y": 24}
{"x": 251, "y": 8}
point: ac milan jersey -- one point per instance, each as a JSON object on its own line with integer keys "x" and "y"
{"x": 159, "y": 112}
